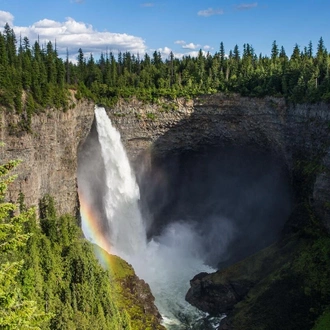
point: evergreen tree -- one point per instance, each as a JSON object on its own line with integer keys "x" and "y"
{"x": 275, "y": 52}
{"x": 16, "y": 312}
{"x": 81, "y": 65}
{"x": 10, "y": 40}
{"x": 321, "y": 50}
{"x": 310, "y": 50}
{"x": 236, "y": 54}
{"x": 44, "y": 76}
{"x": 3, "y": 51}
{"x": 295, "y": 57}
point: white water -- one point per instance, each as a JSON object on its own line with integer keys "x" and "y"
{"x": 127, "y": 233}
{"x": 167, "y": 262}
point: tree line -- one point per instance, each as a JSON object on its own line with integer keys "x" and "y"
{"x": 33, "y": 77}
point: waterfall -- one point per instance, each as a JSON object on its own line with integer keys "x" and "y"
{"x": 122, "y": 192}
{"x": 167, "y": 262}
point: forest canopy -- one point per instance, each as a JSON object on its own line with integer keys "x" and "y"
{"x": 45, "y": 77}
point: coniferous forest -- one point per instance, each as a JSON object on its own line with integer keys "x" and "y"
{"x": 299, "y": 75}
{"x": 50, "y": 277}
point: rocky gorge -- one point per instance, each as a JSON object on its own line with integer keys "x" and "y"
{"x": 294, "y": 137}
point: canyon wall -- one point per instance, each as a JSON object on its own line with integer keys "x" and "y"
{"x": 48, "y": 154}
{"x": 298, "y": 135}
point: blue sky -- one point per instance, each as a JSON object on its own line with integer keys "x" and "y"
{"x": 183, "y": 26}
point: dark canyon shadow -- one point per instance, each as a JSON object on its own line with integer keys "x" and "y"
{"x": 237, "y": 197}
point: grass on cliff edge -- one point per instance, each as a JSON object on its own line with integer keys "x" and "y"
{"x": 132, "y": 294}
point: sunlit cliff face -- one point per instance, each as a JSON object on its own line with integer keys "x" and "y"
{"x": 238, "y": 199}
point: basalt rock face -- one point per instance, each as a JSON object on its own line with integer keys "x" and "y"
{"x": 221, "y": 292}
{"x": 216, "y": 297}
{"x": 48, "y": 154}
{"x": 298, "y": 136}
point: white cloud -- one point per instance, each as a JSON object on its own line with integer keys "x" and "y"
{"x": 194, "y": 53}
{"x": 191, "y": 45}
{"x": 207, "y": 47}
{"x": 6, "y": 17}
{"x": 165, "y": 52}
{"x": 209, "y": 12}
{"x": 246, "y": 6}
{"x": 180, "y": 42}
{"x": 73, "y": 35}
{"x": 186, "y": 45}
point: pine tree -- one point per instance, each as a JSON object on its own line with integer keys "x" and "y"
{"x": 310, "y": 50}
{"x": 321, "y": 50}
{"x": 50, "y": 63}
{"x": 10, "y": 39}
{"x": 275, "y": 52}
{"x": 296, "y": 53}
{"x": 236, "y": 54}
{"x": 16, "y": 312}
{"x": 3, "y": 51}
{"x": 81, "y": 65}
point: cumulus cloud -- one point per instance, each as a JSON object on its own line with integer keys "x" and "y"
{"x": 186, "y": 45}
{"x": 210, "y": 12}
{"x": 165, "y": 52}
{"x": 73, "y": 35}
{"x": 6, "y": 17}
{"x": 207, "y": 47}
{"x": 191, "y": 45}
{"x": 147, "y": 4}
{"x": 246, "y": 6}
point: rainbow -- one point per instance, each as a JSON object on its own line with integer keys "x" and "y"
{"x": 93, "y": 231}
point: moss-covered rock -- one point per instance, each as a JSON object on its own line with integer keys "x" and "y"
{"x": 133, "y": 295}
{"x": 288, "y": 285}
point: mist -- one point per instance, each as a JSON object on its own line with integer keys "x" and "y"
{"x": 237, "y": 198}
{"x": 90, "y": 174}
{"x": 176, "y": 216}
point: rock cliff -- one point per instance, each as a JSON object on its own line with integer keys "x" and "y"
{"x": 298, "y": 135}
{"x": 48, "y": 154}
